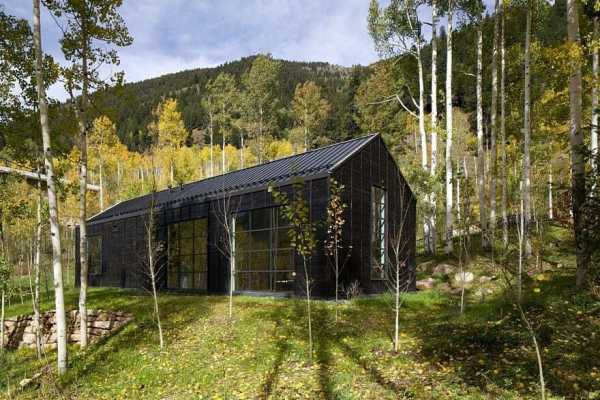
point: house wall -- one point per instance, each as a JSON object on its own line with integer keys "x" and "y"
{"x": 374, "y": 165}
{"x": 124, "y": 241}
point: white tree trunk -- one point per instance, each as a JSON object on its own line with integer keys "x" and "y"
{"x": 503, "y": 201}
{"x": 83, "y": 252}
{"x": 36, "y": 273}
{"x": 595, "y": 68}
{"x": 2, "y": 321}
{"x": 101, "y": 184}
{"x": 494, "y": 126}
{"x": 550, "y": 205}
{"x": 423, "y": 135}
{"x": 61, "y": 322}
{"x": 449, "y": 191}
{"x": 527, "y": 133}
{"x": 576, "y": 138}
{"x": 480, "y": 146}
{"x": 434, "y": 139}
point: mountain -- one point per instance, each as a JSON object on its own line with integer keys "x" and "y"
{"x": 130, "y": 106}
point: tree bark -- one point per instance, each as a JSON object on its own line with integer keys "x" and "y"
{"x": 550, "y": 205}
{"x": 61, "y": 322}
{"x": 595, "y": 82}
{"x": 83, "y": 253}
{"x": 36, "y": 272}
{"x": 434, "y": 139}
{"x": 527, "y": 134}
{"x": 576, "y": 139}
{"x": 480, "y": 146}
{"x": 449, "y": 190}
{"x": 423, "y": 135}
{"x": 494, "y": 126}
{"x": 503, "y": 201}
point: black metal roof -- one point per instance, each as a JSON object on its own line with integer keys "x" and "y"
{"x": 311, "y": 164}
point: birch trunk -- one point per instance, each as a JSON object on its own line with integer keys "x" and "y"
{"x": 494, "y": 126}
{"x": 550, "y": 205}
{"x": 434, "y": 139}
{"x": 449, "y": 191}
{"x": 576, "y": 136}
{"x": 101, "y": 184}
{"x": 3, "y": 295}
{"x": 503, "y": 200}
{"x": 83, "y": 253}
{"x": 595, "y": 82}
{"x": 480, "y": 147}
{"x": 61, "y": 323}
{"x": 527, "y": 134}
{"x": 36, "y": 273}
{"x": 423, "y": 134}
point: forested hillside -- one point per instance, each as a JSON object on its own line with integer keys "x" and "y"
{"x": 131, "y": 106}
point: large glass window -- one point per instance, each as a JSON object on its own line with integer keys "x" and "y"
{"x": 94, "y": 248}
{"x": 187, "y": 245}
{"x": 264, "y": 257}
{"x": 378, "y": 233}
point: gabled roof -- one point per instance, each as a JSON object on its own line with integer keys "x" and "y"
{"x": 311, "y": 164}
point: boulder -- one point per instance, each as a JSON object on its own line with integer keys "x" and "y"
{"x": 464, "y": 277}
{"x": 443, "y": 269}
{"x": 426, "y": 266}
{"x": 425, "y": 284}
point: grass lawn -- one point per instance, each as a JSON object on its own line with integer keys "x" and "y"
{"x": 262, "y": 353}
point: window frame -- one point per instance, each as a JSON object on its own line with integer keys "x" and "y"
{"x": 375, "y": 266}
{"x": 196, "y": 256}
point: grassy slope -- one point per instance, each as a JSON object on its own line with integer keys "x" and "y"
{"x": 485, "y": 353}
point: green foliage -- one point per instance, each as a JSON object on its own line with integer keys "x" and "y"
{"x": 310, "y": 111}
{"x": 5, "y": 274}
{"x": 335, "y": 218}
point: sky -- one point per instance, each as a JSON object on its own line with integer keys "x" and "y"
{"x": 174, "y": 35}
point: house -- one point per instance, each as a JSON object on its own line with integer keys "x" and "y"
{"x": 381, "y": 211}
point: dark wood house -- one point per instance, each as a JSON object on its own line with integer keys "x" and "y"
{"x": 380, "y": 212}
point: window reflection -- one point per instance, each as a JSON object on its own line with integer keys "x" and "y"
{"x": 264, "y": 258}
{"x": 187, "y": 251}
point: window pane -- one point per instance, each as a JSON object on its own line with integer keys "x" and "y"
{"x": 187, "y": 246}
{"x": 284, "y": 281}
{"x": 281, "y": 218}
{"x": 200, "y": 228}
{"x": 242, "y": 221}
{"x": 172, "y": 282}
{"x": 259, "y": 261}
{"x": 199, "y": 244}
{"x": 283, "y": 239}
{"x": 94, "y": 244}
{"x": 200, "y": 263}
{"x": 378, "y": 233}
{"x": 284, "y": 259}
{"x": 260, "y": 240}
{"x": 186, "y": 229}
{"x": 173, "y": 232}
{"x": 261, "y": 218}
{"x": 242, "y": 241}
{"x": 242, "y": 261}
{"x": 185, "y": 281}
{"x": 186, "y": 264}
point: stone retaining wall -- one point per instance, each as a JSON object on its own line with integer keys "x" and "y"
{"x": 20, "y": 331}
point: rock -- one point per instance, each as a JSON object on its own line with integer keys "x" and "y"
{"x": 426, "y": 266}
{"x": 443, "y": 269}
{"x": 425, "y": 284}
{"x": 463, "y": 278}
{"x": 102, "y": 324}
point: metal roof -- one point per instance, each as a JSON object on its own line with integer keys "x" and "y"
{"x": 311, "y": 164}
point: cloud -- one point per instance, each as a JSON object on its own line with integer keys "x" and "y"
{"x": 174, "y": 35}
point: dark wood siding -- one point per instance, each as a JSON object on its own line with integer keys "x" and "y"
{"x": 124, "y": 243}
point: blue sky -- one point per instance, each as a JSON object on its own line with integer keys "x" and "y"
{"x": 172, "y": 35}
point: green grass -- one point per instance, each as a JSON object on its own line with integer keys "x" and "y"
{"x": 262, "y": 353}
